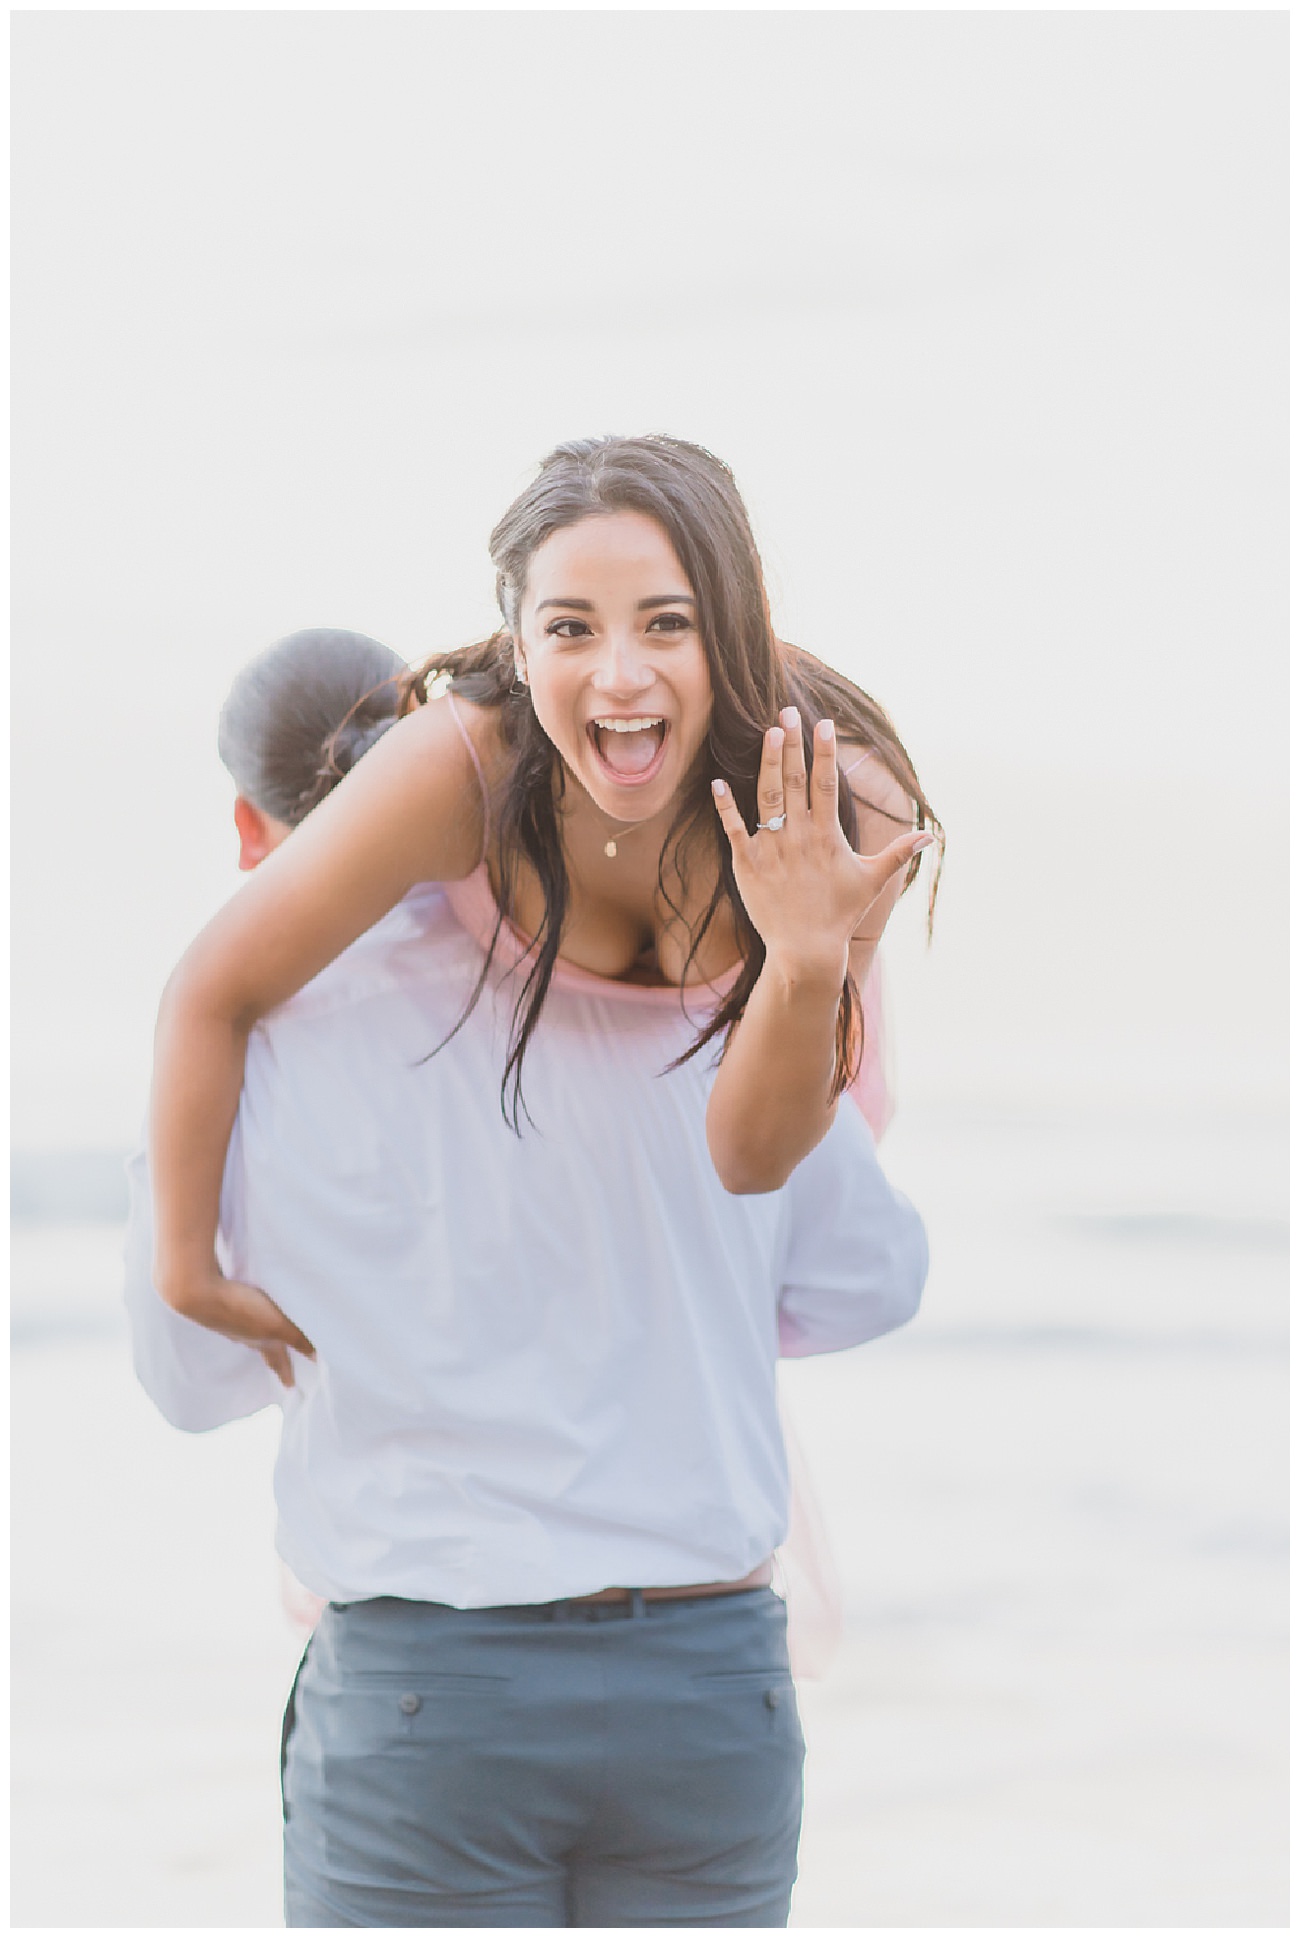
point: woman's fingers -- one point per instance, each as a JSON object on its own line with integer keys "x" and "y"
{"x": 771, "y": 784}
{"x": 883, "y": 867}
{"x": 276, "y": 1328}
{"x": 794, "y": 776}
{"x": 277, "y": 1358}
{"x": 239, "y": 1311}
{"x": 299, "y": 1341}
{"x": 804, "y": 888}
{"x": 733, "y": 821}
{"x": 246, "y": 1312}
{"x": 825, "y": 778}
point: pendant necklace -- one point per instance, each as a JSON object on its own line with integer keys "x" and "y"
{"x": 611, "y": 844}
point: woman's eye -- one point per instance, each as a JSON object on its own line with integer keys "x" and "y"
{"x": 568, "y": 628}
{"x": 668, "y": 622}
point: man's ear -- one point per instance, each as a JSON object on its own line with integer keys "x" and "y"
{"x": 257, "y": 834}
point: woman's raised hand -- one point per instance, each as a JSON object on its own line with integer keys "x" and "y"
{"x": 803, "y": 886}
{"x": 244, "y": 1313}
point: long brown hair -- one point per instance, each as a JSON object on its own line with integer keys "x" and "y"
{"x": 693, "y": 496}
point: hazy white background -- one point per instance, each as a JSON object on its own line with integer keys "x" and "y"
{"x": 987, "y": 312}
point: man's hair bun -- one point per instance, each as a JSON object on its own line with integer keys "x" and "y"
{"x": 301, "y": 714}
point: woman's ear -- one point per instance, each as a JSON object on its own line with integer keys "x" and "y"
{"x": 258, "y": 833}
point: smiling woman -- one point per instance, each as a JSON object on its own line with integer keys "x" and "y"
{"x": 537, "y": 1469}
{"x": 615, "y": 670}
{"x": 631, "y": 590}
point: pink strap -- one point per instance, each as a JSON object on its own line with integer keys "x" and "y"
{"x": 854, "y": 765}
{"x": 472, "y": 751}
{"x": 870, "y": 1089}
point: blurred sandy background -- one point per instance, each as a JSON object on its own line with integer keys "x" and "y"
{"x": 987, "y": 311}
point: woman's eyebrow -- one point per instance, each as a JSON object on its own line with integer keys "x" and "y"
{"x": 642, "y": 605}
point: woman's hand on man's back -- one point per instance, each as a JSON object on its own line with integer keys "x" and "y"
{"x": 240, "y": 1312}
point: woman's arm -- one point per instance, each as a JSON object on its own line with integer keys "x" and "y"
{"x": 807, "y": 893}
{"x": 195, "y": 1379}
{"x": 411, "y": 811}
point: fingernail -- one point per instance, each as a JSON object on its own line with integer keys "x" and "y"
{"x": 826, "y": 730}
{"x": 922, "y": 841}
{"x": 775, "y": 737}
{"x": 790, "y": 717}
{"x": 719, "y": 788}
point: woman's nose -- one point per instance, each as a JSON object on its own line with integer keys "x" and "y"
{"x": 624, "y": 666}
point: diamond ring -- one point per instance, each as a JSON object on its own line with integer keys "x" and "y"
{"x": 770, "y": 827}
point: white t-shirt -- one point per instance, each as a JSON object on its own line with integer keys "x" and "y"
{"x": 545, "y": 1363}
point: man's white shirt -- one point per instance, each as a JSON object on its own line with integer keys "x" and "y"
{"x": 546, "y": 1361}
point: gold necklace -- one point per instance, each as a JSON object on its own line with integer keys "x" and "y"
{"x": 611, "y": 845}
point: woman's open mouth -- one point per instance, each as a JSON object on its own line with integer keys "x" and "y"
{"x": 630, "y": 750}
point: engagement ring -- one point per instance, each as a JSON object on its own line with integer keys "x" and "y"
{"x": 770, "y": 827}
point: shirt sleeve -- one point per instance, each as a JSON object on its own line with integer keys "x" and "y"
{"x": 194, "y": 1377}
{"x": 856, "y": 1255}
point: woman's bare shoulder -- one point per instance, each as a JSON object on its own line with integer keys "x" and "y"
{"x": 479, "y": 725}
{"x": 425, "y": 779}
{"x": 411, "y": 811}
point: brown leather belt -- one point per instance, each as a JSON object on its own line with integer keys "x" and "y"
{"x": 757, "y": 1578}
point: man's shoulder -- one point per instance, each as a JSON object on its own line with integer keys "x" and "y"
{"x": 390, "y": 955}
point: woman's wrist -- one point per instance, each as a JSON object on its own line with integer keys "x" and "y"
{"x": 189, "y": 1281}
{"x": 808, "y": 975}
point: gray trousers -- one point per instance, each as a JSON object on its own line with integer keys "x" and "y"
{"x": 557, "y": 1764}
